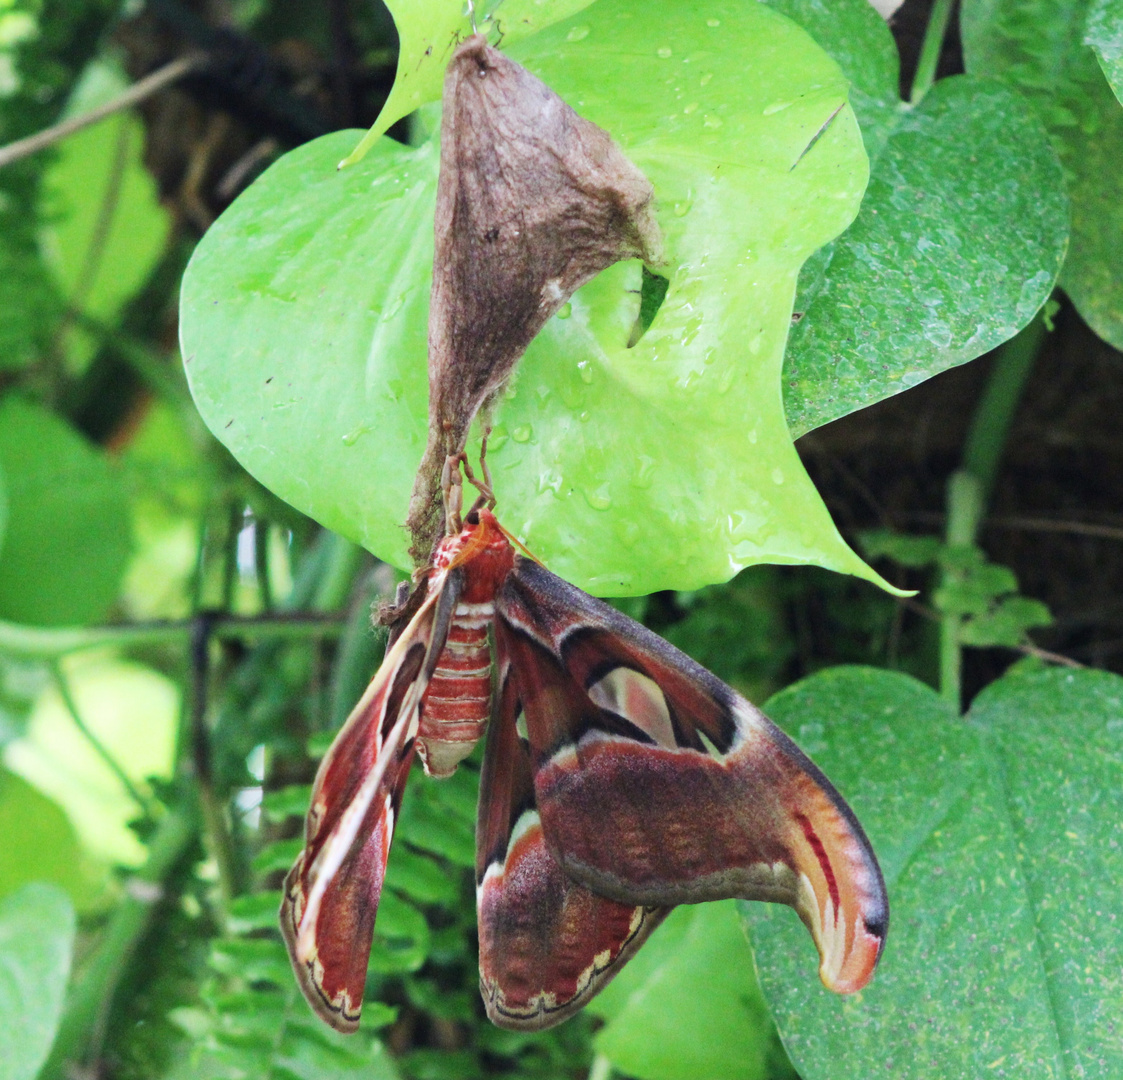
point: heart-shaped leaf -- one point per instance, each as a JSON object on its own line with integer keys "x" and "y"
{"x": 959, "y": 242}
{"x": 626, "y": 469}
{"x": 1039, "y": 50}
{"x": 997, "y": 837}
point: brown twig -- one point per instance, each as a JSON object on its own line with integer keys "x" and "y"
{"x": 161, "y": 77}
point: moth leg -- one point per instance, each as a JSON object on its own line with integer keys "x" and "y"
{"x": 452, "y": 488}
{"x": 482, "y": 484}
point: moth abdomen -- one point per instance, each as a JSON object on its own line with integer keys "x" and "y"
{"x": 457, "y": 704}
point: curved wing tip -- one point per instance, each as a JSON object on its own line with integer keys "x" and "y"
{"x": 858, "y": 966}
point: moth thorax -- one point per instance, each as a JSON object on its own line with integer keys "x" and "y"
{"x": 457, "y": 704}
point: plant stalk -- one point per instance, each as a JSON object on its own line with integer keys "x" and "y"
{"x": 971, "y": 486}
{"x": 47, "y": 643}
{"x": 930, "y": 50}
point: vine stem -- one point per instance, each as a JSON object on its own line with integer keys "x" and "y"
{"x": 62, "y": 684}
{"x": 930, "y": 50}
{"x": 970, "y": 487}
{"x": 46, "y": 643}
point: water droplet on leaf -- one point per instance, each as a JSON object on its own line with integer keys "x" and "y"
{"x": 522, "y": 433}
{"x": 578, "y": 33}
{"x": 599, "y": 499}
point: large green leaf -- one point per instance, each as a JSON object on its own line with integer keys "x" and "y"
{"x": 695, "y": 985}
{"x": 1104, "y": 33}
{"x": 1037, "y": 46}
{"x": 68, "y": 529}
{"x": 996, "y": 838}
{"x": 36, "y": 941}
{"x": 959, "y": 242}
{"x": 304, "y": 315}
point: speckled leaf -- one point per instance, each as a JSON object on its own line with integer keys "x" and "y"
{"x": 428, "y": 33}
{"x": 304, "y": 315}
{"x": 1105, "y": 34}
{"x": 996, "y": 840}
{"x": 1037, "y": 46}
{"x": 1059, "y": 736}
{"x": 959, "y": 241}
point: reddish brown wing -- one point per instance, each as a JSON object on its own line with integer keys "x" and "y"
{"x": 331, "y": 894}
{"x": 547, "y": 944}
{"x": 657, "y": 784}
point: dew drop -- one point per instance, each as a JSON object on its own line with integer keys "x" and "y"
{"x": 565, "y": 310}
{"x": 585, "y": 370}
{"x": 753, "y": 436}
{"x": 497, "y": 437}
{"x": 775, "y": 107}
{"x": 777, "y": 475}
{"x": 706, "y": 77}
{"x": 664, "y": 52}
{"x": 712, "y": 122}
{"x": 599, "y": 499}
{"x": 630, "y": 533}
{"x": 549, "y": 481}
{"x": 578, "y": 33}
{"x": 692, "y": 107}
{"x": 353, "y": 437}
{"x": 522, "y": 433}
{"x": 645, "y": 471}
{"x": 713, "y": 22}
{"x": 683, "y": 208}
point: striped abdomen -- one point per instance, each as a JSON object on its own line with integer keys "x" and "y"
{"x": 457, "y": 704}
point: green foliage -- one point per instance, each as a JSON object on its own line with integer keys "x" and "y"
{"x": 994, "y": 837}
{"x": 36, "y": 942}
{"x": 106, "y": 227}
{"x": 694, "y": 982}
{"x": 638, "y": 447}
{"x": 1038, "y": 48}
{"x": 981, "y": 595}
{"x": 67, "y": 540}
